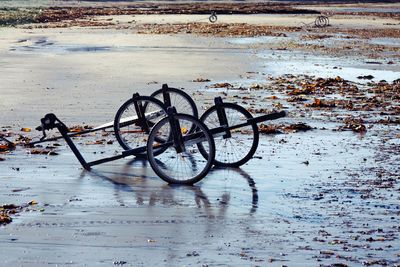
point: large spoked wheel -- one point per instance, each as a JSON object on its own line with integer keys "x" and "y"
{"x": 133, "y": 133}
{"x": 179, "y": 99}
{"x": 186, "y": 167}
{"x": 241, "y": 146}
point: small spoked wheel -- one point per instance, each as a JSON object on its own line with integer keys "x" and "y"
{"x": 179, "y": 99}
{"x": 238, "y": 148}
{"x": 321, "y": 21}
{"x": 132, "y": 130}
{"x": 213, "y": 17}
{"x": 180, "y": 161}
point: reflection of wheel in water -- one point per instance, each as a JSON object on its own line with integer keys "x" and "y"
{"x": 234, "y": 175}
{"x": 321, "y": 21}
{"x": 130, "y": 132}
{"x": 188, "y": 166}
{"x": 241, "y": 146}
{"x": 254, "y": 191}
{"x": 213, "y": 17}
{"x": 179, "y": 99}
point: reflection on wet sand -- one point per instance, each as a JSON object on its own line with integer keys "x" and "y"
{"x": 145, "y": 190}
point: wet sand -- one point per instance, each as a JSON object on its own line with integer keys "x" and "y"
{"x": 320, "y": 197}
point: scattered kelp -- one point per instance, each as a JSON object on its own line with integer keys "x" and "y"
{"x": 8, "y": 210}
{"x": 220, "y": 29}
{"x": 67, "y": 16}
{"x": 353, "y": 124}
{"x": 282, "y": 128}
{"x": 16, "y": 16}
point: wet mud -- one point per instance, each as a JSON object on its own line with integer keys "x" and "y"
{"x": 321, "y": 190}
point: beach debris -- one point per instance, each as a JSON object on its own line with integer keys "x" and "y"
{"x": 220, "y": 29}
{"x": 201, "y": 80}
{"x": 9, "y": 207}
{"x": 338, "y": 265}
{"x": 296, "y": 99}
{"x": 301, "y": 91}
{"x": 32, "y": 202}
{"x": 41, "y": 151}
{"x": 353, "y": 124}
{"x": 304, "y": 84}
{"x": 297, "y": 127}
{"x": 71, "y": 15}
{"x": 8, "y": 210}
{"x": 119, "y": 263}
{"x": 7, "y": 147}
{"x": 260, "y": 110}
{"x": 80, "y": 128}
{"x": 381, "y": 262}
{"x": 4, "y": 147}
{"x": 278, "y": 129}
{"x": 192, "y": 254}
{"x": 4, "y": 218}
{"x": 22, "y": 140}
{"x": 221, "y": 85}
{"x": 3, "y": 140}
{"x": 316, "y": 36}
{"x": 319, "y": 103}
{"x": 373, "y": 62}
{"x": 327, "y": 252}
{"x": 365, "y": 77}
{"x": 256, "y": 86}
{"x": 269, "y": 129}
{"x": 26, "y": 130}
{"x": 20, "y": 189}
{"x": 96, "y": 142}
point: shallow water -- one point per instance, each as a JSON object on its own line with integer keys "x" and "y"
{"x": 276, "y": 63}
{"x": 386, "y": 41}
{"x": 279, "y": 63}
{"x": 244, "y": 215}
{"x": 42, "y": 44}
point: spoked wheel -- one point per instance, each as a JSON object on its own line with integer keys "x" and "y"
{"x": 240, "y": 147}
{"x": 132, "y": 132}
{"x": 179, "y": 99}
{"x": 321, "y": 21}
{"x": 181, "y": 163}
{"x": 213, "y": 17}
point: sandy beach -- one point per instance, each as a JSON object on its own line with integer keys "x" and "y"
{"x": 323, "y": 187}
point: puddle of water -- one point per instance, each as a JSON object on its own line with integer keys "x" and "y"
{"x": 87, "y": 48}
{"x": 279, "y": 63}
{"x": 283, "y": 62}
{"x": 385, "y": 41}
{"x": 43, "y": 45}
{"x": 60, "y": 49}
{"x": 256, "y": 40}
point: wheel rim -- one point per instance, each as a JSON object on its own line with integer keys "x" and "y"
{"x": 132, "y": 135}
{"x": 241, "y": 146}
{"x": 213, "y": 18}
{"x": 189, "y": 166}
{"x": 180, "y": 100}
